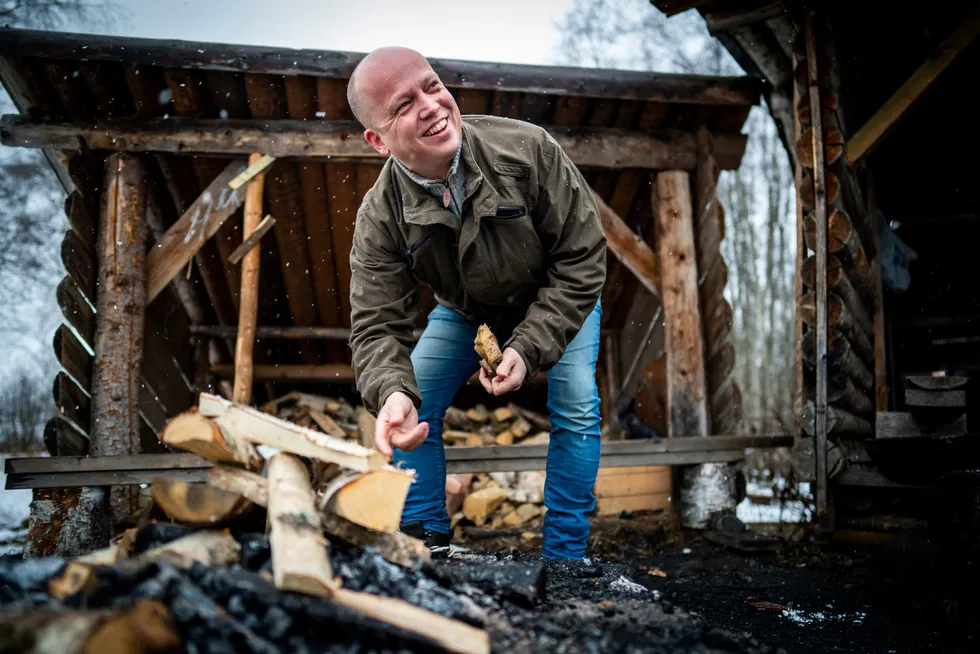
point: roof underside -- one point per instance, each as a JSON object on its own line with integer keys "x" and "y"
{"x": 305, "y": 275}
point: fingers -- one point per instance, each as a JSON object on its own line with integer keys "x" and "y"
{"x": 510, "y": 383}
{"x": 408, "y": 441}
{"x": 381, "y": 435}
{"x": 485, "y": 381}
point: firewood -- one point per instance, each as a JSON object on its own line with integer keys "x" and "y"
{"x": 261, "y": 428}
{"x": 365, "y": 426}
{"x": 454, "y": 436}
{"x": 540, "y": 422}
{"x": 838, "y": 421}
{"x": 299, "y": 552}
{"x": 453, "y": 635}
{"x": 841, "y": 359}
{"x": 502, "y": 414}
{"x": 372, "y": 499}
{"x": 521, "y": 514}
{"x": 520, "y": 428}
{"x": 479, "y": 506}
{"x": 247, "y": 484}
{"x": 194, "y": 432}
{"x": 456, "y": 485}
{"x": 395, "y": 547}
{"x": 197, "y": 504}
{"x": 456, "y": 419}
{"x": 487, "y": 347}
{"x": 505, "y": 438}
{"x": 119, "y": 548}
{"x": 146, "y": 627}
{"x": 76, "y": 577}
{"x": 327, "y": 424}
{"x": 208, "y": 547}
{"x": 478, "y": 414}
{"x": 474, "y": 440}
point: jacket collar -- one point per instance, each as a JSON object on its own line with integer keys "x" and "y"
{"x": 420, "y": 208}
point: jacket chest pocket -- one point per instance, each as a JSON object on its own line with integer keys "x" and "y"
{"x": 431, "y": 254}
{"x": 512, "y": 258}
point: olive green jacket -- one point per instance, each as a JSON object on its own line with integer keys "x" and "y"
{"x": 529, "y": 249}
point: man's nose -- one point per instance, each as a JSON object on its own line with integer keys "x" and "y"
{"x": 427, "y": 106}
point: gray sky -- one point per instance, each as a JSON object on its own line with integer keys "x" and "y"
{"x": 518, "y": 31}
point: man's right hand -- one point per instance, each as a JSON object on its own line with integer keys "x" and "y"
{"x": 398, "y": 425}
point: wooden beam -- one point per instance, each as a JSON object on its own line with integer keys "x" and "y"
{"x": 731, "y": 20}
{"x": 337, "y": 373}
{"x": 120, "y": 305}
{"x": 199, "y": 223}
{"x": 684, "y": 345}
{"x": 253, "y": 238}
{"x": 557, "y": 80}
{"x": 629, "y": 248}
{"x": 66, "y": 471}
{"x": 588, "y": 147}
{"x": 866, "y": 139}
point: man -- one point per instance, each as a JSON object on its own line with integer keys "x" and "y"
{"x": 494, "y": 217}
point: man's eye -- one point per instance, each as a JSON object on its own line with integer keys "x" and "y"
{"x": 403, "y": 105}
{"x": 433, "y": 85}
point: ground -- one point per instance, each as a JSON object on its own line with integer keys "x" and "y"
{"x": 809, "y": 595}
{"x": 15, "y": 506}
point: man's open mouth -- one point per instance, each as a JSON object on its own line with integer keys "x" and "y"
{"x": 437, "y": 128}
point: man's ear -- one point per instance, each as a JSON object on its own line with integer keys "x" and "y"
{"x": 374, "y": 139}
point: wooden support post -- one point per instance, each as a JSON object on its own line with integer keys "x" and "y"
{"x": 248, "y": 307}
{"x": 824, "y": 518}
{"x": 120, "y": 304}
{"x": 610, "y": 355}
{"x": 704, "y": 490}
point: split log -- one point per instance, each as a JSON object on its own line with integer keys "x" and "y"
{"x": 119, "y": 548}
{"x": 833, "y": 141}
{"x": 365, "y": 426}
{"x": 478, "y": 506}
{"x": 842, "y": 392}
{"x": 197, "y": 504}
{"x": 196, "y": 433}
{"x": 395, "y": 547}
{"x": 250, "y": 485}
{"x": 327, "y": 424}
{"x": 838, "y": 282}
{"x": 838, "y": 421}
{"x": 299, "y": 550}
{"x": 147, "y": 627}
{"x": 371, "y": 499}
{"x": 260, "y": 428}
{"x": 488, "y": 349}
{"x": 208, "y": 547}
{"x": 838, "y": 316}
{"x": 541, "y": 422}
{"x": 840, "y": 357}
{"x": 453, "y": 635}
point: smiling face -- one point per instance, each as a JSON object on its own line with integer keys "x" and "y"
{"x": 408, "y": 112}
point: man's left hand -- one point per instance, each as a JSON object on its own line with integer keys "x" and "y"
{"x": 510, "y": 374}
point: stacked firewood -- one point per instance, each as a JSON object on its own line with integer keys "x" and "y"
{"x": 318, "y": 494}
{"x": 851, "y": 292}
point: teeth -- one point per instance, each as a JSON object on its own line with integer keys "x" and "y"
{"x": 438, "y": 127}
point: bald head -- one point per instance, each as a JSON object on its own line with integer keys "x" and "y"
{"x": 373, "y": 77}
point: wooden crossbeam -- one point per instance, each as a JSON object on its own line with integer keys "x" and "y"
{"x": 596, "y": 147}
{"x": 629, "y": 248}
{"x": 252, "y": 239}
{"x": 866, "y": 139}
{"x": 69, "y": 471}
{"x": 199, "y": 223}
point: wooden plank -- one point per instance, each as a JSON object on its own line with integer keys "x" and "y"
{"x": 75, "y": 309}
{"x": 654, "y": 480}
{"x": 902, "y": 424}
{"x": 256, "y": 167}
{"x": 629, "y": 248}
{"x": 80, "y": 219}
{"x": 342, "y": 189}
{"x": 63, "y": 439}
{"x": 73, "y": 356}
{"x": 556, "y": 80}
{"x": 252, "y": 239}
{"x": 199, "y": 223}
{"x": 687, "y": 404}
{"x": 595, "y": 147}
{"x": 866, "y": 139}
{"x": 79, "y": 262}
{"x": 71, "y": 400}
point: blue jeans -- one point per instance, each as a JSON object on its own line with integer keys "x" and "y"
{"x": 443, "y": 360}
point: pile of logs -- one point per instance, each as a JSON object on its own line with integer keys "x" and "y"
{"x": 851, "y": 292}
{"x": 318, "y": 494}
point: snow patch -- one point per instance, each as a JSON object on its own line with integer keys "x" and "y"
{"x": 629, "y": 586}
{"x": 801, "y": 617}
{"x": 15, "y": 508}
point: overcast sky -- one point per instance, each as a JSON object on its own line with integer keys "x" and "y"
{"x": 518, "y": 31}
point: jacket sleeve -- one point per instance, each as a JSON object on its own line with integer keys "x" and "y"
{"x": 383, "y": 305}
{"x": 571, "y": 232}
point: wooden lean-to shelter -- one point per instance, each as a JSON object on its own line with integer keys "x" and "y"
{"x": 874, "y": 106}
{"x": 156, "y": 142}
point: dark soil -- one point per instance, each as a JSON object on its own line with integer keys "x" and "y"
{"x": 807, "y": 595}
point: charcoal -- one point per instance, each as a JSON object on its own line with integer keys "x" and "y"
{"x": 520, "y": 582}
{"x": 26, "y": 575}
{"x": 156, "y": 534}
{"x": 256, "y": 551}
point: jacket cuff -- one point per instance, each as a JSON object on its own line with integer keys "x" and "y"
{"x": 399, "y": 385}
{"x": 527, "y": 352}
